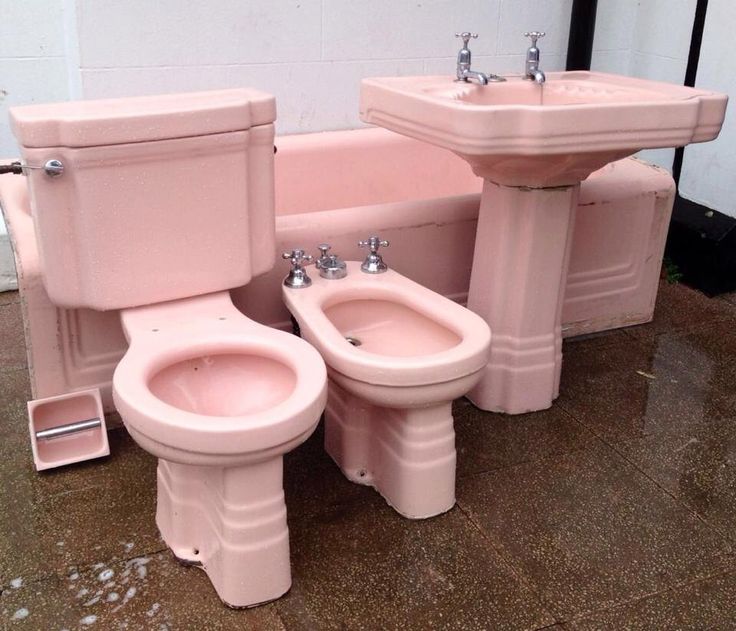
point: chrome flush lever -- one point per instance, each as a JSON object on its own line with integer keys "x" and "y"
{"x": 52, "y": 168}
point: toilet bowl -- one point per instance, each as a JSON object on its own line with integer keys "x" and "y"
{"x": 397, "y": 355}
{"x": 166, "y": 203}
{"x": 219, "y": 399}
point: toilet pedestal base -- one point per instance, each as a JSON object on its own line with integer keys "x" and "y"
{"x": 407, "y": 455}
{"x": 231, "y": 522}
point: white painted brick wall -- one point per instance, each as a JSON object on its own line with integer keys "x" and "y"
{"x": 648, "y": 39}
{"x": 310, "y": 53}
{"x": 708, "y": 169}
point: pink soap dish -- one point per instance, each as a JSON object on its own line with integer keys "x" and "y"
{"x": 67, "y": 428}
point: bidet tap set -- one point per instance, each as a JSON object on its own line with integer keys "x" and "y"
{"x": 330, "y": 266}
{"x": 532, "y": 71}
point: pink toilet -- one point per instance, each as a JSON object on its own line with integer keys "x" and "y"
{"x": 397, "y": 355}
{"x": 157, "y": 206}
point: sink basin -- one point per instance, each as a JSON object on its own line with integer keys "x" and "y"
{"x": 533, "y": 144}
{"x": 520, "y": 133}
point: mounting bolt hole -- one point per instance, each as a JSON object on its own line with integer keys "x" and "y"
{"x": 195, "y": 551}
{"x": 362, "y": 473}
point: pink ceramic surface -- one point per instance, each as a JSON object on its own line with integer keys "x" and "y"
{"x": 518, "y": 284}
{"x": 422, "y": 198}
{"x": 408, "y": 454}
{"x": 172, "y": 197}
{"x": 232, "y": 523}
{"x": 397, "y": 355}
{"x": 123, "y": 197}
{"x": 520, "y": 133}
{"x": 533, "y": 144}
{"x": 219, "y": 399}
{"x": 383, "y": 310}
{"x": 118, "y": 121}
{"x": 203, "y": 384}
{"x": 53, "y": 412}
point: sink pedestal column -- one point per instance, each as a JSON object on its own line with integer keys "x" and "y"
{"x": 517, "y": 285}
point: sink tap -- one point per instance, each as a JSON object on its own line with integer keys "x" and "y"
{"x": 533, "y": 73}
{"x": 463, "y": 72}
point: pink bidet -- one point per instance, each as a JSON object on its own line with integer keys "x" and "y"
{"x": 397, "y": 355}
{"x": 219, "y": 399}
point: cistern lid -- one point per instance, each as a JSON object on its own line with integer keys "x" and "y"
{"x": 140, "y": 119}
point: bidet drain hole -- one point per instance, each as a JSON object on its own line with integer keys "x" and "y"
{"x": 362, "y": 473}
{"x": 353, "y": 340}
{"x": 195, "y": 551}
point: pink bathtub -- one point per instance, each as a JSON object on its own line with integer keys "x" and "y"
{"x": 341, "y": 186}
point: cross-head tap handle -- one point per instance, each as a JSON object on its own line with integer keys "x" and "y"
{"x": 466, "y": 37}
{"x": 373, "y": 243}
{"x": 534, "y": 36}
{"x": 323, "y": 249}
{"x": 298, "y": 257}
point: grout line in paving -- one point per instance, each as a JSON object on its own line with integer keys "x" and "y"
{"x": 517, "y": 573}
{"x": 651, "y": 479}
{"x": 520, "y": 463}
{"x": 633, "y": 601}
{"x": 86, "y": 568}
{"x": 694, "y": 579}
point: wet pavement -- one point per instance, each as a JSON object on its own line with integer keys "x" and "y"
{"x": 614, "y": 509}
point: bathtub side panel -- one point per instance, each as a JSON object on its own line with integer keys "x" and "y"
{"x": 617, "y": 247}
{"x": 67, "y": 350}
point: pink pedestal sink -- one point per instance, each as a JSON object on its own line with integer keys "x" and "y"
{"x": 533, "y": 145}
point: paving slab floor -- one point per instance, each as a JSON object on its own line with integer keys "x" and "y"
{"x": 614, "y": 509}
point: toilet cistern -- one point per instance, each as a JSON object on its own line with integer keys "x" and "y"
{"x": 532, "y": 71}
{"x": 297, "y": 277}
{"x": 373, "y": 263}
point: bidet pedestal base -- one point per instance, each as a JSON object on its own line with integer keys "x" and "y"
{"x": 232, "y": 523}
{"x": 517, "y": 285}
{"x": 407, "y": 455}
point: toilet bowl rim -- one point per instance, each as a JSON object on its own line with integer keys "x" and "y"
{"x": 169, "y": 424}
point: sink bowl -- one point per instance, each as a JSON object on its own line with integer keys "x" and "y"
{"x": 520, "y": 133}
{"x": 533, "y": 144}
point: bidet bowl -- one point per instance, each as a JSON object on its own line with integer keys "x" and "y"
{"x": 520, "y": 133}
{"x": 387, "y": 330}
{"x": 389, "y": 327}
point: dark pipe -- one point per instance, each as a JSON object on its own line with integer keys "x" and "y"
{"x": 14, "y": 167}
{"x": 696, "y": 39}
{"x": 582, "y": 31}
